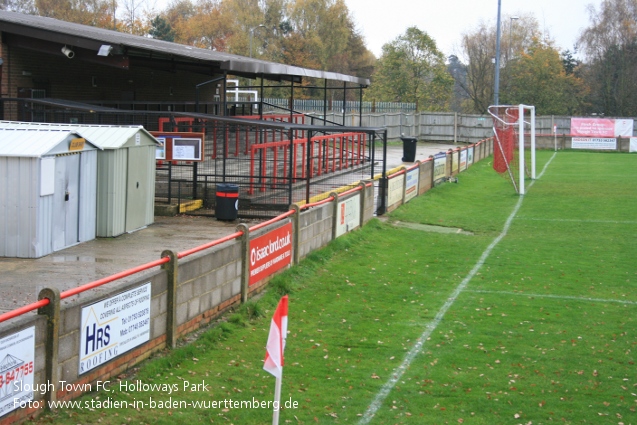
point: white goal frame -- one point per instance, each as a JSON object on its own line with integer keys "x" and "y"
{"x": 521, "y": 124}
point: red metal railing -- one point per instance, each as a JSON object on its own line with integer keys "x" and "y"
{"x": 329, "y": 154}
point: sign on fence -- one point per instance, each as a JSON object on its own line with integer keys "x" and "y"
{"x": 594, "y": 143}
{"x": 463, "y": 160}
{"x": 17, "y": 354}
{"x": 270, "y": 252}
{"x": 601, "y": 127}
{"x": 411, "y": 185}
{"x": 440, "y": 166}
{"x": 349, "y": 215}
{"x": 395, "y": 190}
{"x": 114, "y": 326}
{"x": 470, "y": 156}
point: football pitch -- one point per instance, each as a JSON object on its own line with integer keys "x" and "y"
{"x": 527, "y": 316}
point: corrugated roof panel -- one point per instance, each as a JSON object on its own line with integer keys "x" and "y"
{"x": 31, "y": 143}
{"x": 104, "y": 136}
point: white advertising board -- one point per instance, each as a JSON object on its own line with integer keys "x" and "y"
{"x": 463, "y": 160}
{"x": 411, "y": 186}
{"x": 440, "y": 166}
{"x": 470, "y": 156}
{"x": 395, "y": 190}
{"x": 594, "y": 143}
{"x": 349, "y": 215}
{"x": 633, "y": 144}
{"x": 17, "y": 356}
{"x": 114, "y": 326}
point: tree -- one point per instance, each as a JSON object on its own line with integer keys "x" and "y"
{"x": 610, "y": 45}
{"x": 412, "y": 69}
{"x": 161, "y": 29}
{"x": 87, "y": 12}
{"x": 479, "y": 51}
{"x": 570, "y": 63}
{"x": 538, "y": 78}
{"x": 458, "y": 72}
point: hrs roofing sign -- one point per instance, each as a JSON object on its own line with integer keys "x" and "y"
{"x": 114, "y": 326}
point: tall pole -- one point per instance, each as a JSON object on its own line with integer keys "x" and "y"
{"x": 496, "y": 88}
{"x": 251, "y": 31}
{"x": 513, "y": 18}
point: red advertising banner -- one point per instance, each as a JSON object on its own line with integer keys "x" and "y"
{"x": 270, "y": 252}
{"x": 592, "y": 127}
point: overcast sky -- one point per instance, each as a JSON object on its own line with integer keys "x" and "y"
{"x": 381, "y": 21}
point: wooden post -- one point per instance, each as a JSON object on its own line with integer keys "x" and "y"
{"x": 171, "y": 269}
{"x": 245, "y": 261}
{"x": 52, "y": 313}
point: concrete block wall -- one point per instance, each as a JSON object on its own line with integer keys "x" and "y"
{"x": 315, "y": 229}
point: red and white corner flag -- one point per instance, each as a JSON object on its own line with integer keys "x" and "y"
{"x": 276, "y": 339}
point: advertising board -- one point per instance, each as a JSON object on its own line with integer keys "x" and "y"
{"x": 113, "y": 326}
{"x": 440, "y": 166}
{"x": 270, "y": 252}
{"x": 348, "y": 215}
{"x": 411, "y": 185}
{"x": 395, "y": 190}
{"x": 17, "y": 356}
{"x": 594, "y": 143}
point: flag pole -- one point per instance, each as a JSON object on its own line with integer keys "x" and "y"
{"x": 277, "y": 400}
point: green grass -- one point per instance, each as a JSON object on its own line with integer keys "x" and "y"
{"x": 544, "y": 332}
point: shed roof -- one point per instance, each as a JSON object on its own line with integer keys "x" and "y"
{"x": 33, "y": 143}
{"x": 103, "y": 136}
{"x": 123, "y": 44}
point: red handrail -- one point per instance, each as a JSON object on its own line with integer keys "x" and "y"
{"x": 208, "y": 245}
{"x": 23, "y": 310}
{"x": 317, "y": 203}
{"x": 274, "y": 220}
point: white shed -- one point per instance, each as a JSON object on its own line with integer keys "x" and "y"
{"x": 125, "y": 173}
{"x": 48, "y": 181}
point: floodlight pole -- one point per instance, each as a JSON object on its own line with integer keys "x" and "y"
{"x": 252, "y": 35}
{"x": 496, "y": 88}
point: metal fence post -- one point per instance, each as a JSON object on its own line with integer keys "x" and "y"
{"x": 171, "y": 269}
{"x": 296, "y": 233}
{"x": 334, "y": 214}
{"x": 363, "y": 187}
{"x": 245, "y": 260}
{"x": 52, "y": 313}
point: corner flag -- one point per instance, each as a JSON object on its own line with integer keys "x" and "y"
{"x": 276, "y": 339}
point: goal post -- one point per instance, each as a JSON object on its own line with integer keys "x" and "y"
{"x": 512, "y": 156}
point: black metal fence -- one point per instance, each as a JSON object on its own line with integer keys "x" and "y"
{"x": 274, "y": 162}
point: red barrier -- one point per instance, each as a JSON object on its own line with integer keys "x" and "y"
{"x": 328, "y": 154}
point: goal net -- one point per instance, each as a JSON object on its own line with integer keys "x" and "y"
{"x": 513, "y": 155}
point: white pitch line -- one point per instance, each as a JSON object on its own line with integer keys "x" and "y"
{"x": 431, "y": 326}
{"x": 559, "y": 297}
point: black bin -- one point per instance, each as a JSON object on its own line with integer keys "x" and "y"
{"x": 409, "y": 148}
{"x": 227, "y": 201}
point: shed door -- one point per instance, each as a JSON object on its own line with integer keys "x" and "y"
{"x": 66, "y": 204}
{"x": 137, "y": 188}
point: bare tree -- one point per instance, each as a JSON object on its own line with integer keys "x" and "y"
{"x": 610, "y": 45}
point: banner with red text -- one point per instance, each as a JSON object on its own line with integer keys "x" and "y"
{"x": 601, "y": 127}
{"x": 270, "y": 252}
